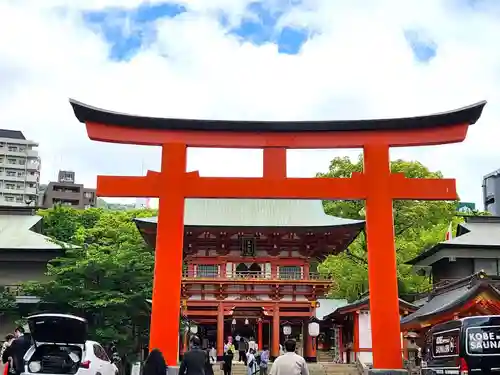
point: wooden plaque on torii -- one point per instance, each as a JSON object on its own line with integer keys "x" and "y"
{"x": 376, "y": 184}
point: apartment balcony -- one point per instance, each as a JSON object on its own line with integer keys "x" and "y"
{"x": 23, "y": 154}
{"x": 18, "y": 191}
{"x": 255, "y": 277}
{"x": 11, "y": 191}
{"x": 31, "y": 166}
{"x": 16, "y": 178}
{"x": 69, "y": 195}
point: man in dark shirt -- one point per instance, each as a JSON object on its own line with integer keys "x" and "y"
{"x": 195, "y": 360}
{"x": 17, "y": 350}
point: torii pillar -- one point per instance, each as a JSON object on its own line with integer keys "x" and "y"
{"x": 376, "y": 184}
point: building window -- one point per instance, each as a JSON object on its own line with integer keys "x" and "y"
{"x": 9, "y": 199}
{"x": 10, "y": 186}
{"x": 13, "y": 148}
{"x": 11, "y": 173}
{"x": 208, "y": 270}
{"x": 11, "y": 161}
{"x": 19, "y": 199}
{"x": 21, "y": 161}
{"x": 290, "y": 272}
{"x": 489, "y": 266}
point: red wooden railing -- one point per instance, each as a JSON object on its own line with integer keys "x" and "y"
{"x": 254, "y": 275}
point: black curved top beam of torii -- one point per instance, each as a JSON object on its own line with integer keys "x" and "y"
{"x": 89, "y": 114}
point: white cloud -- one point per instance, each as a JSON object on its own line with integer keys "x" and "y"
{"x": 358, "y": 66}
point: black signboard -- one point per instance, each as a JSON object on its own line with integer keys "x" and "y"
{"x": 483, "y": 340}
{"x": 248, "y": 246}
{"x": 445, "y": 344}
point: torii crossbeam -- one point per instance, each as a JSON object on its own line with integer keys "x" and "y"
{"x": 376, "y": 184}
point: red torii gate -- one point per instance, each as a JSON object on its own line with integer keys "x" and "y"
{"x": 377, "y": 185}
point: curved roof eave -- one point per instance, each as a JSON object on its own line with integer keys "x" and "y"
{"x": 466, "y": 115}
{"x": 448, "y": 301}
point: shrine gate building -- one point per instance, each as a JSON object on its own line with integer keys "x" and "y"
{"x": 250, "y": 267}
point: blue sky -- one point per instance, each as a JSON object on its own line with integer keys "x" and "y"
{"x": 129, "y": 30}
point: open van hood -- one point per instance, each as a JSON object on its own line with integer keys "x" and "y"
{"x": 58, "y": 328}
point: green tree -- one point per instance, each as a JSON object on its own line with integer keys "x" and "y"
{"x": 106, "y": 276}
{"x": 8, "y": 304}
{"x": 417, "y": 224}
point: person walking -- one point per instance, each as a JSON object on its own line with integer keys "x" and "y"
{"x": 227, "y": 364}
{"x": 251, "y": 362}
{"x": 252, "y": 344}
{"x": 264, "y": 360}
{"x": 155, "y": 364}
{"x": 229, "y": 346}
{"x": 242, "y": 356}
{"x": 194, "y": 361}
{"x": 213, "y": 354}
{"x": 289, "y": 363}
{"x": 17, "y": 350}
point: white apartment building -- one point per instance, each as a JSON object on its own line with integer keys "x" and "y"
{"x": 19, "y": 169}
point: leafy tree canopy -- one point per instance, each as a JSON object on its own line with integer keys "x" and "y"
{"x": 106, "y": 277}
{"x": 418, "y": 225}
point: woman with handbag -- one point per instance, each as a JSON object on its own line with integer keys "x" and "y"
{"x": 251, "y": 363}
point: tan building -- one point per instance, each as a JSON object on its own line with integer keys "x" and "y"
{"x": 67, "y": 192}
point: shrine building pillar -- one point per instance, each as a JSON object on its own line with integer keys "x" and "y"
{"x": 259, "y": 334}
{"x": 274, "y": 271}
{"x": 275, "y": 347}
{"x": 355, "y": 338}
{"x": 306, "y": 272}
{"x": 220, "y": 331}
{"x": 305, "y": 341}
{"x": 339, "y": 330}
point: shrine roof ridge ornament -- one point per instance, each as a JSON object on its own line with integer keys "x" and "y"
{"x": 89, "y": 114}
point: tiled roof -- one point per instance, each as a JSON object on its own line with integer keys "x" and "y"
{"x": 16, "y": 233}
{"x": 12, "y": 134}
{"x": 452, "y": 297}
{"x": 257, "y": 213}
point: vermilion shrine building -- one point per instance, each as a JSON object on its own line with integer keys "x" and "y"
{"x": 250, "y": 266}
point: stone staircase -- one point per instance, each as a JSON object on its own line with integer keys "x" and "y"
{"x": 339, "y": 369}
{"x": 314, "y": 369}
{"x": 325, "y": 356}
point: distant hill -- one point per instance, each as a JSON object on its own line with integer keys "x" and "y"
{"x": 101, "y": 203}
